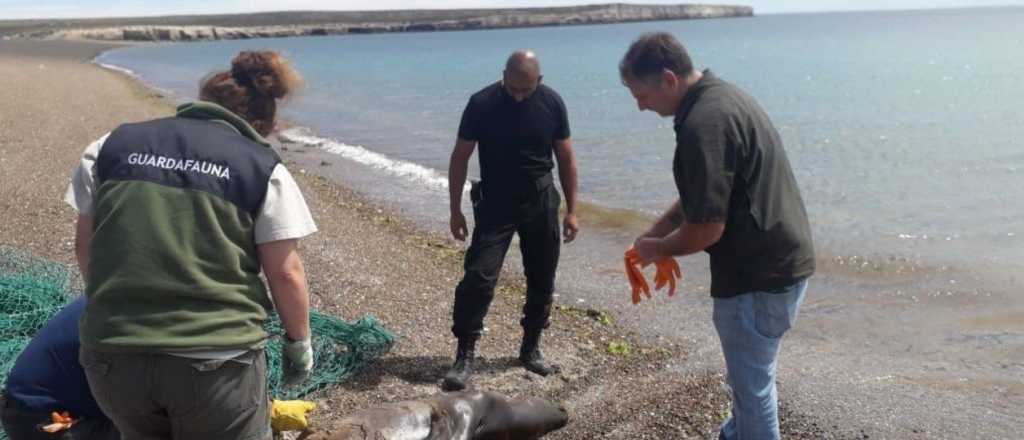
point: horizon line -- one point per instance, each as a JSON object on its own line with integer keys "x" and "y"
{"x": 300, "y": 11}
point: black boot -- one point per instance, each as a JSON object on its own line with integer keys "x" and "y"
{"x": 530, "y": 355}
{"x": 457, "y": 377}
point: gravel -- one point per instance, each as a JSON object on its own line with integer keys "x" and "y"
{"x": 364, "y": 260}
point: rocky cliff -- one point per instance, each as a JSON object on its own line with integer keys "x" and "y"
{"x": 290, "y": 24}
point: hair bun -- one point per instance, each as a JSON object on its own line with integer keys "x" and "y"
{"x": 265, "y": 72}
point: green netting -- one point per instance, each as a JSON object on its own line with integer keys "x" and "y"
{"x": 33, "y": 289}
{"x": 339, "y": 350}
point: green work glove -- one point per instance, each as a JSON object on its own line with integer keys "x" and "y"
{"x": 298, "y": 361}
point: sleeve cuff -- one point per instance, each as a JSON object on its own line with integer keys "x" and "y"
{"x": 286, "y": 234}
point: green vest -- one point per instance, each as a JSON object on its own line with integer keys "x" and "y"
{"x": 173, "y": 263}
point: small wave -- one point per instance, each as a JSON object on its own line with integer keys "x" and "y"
{"x": 602, "y": 217}
{"x": 358, "y": 154}
{"x": 161, "y": 92}
{"x": 119, "y": 69}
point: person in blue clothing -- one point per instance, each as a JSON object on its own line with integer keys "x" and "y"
{"x": 47, "y": 377}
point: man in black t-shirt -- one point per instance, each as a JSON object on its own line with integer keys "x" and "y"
{"x": 739, "y": 202}
{"x": 518, "y": 123}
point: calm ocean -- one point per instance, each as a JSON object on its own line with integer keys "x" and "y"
{"x": 903, "y": 128}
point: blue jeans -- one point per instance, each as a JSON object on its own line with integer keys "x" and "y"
{"x": 750, "y": 327}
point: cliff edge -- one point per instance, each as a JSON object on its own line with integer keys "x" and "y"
{"x": 304, "y": 23}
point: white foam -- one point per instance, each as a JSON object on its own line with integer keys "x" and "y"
{"x": 131, "y": 73}
{"x": 408, "y": 170}
{"x": 120, "y": 69}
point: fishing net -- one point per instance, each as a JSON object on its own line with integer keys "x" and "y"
{"x": 339, "y": 350}
{"x": 33, "y": 289}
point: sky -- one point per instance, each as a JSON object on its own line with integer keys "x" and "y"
{"x": 19, "y": 9}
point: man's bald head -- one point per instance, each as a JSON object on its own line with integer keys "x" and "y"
{"x": 522, "y": 74}
{"x": 523, "y": 63}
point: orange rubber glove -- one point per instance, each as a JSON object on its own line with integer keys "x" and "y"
{"x": 637, "y": 282}
{"x": 667, "y": 273}
{"x": 60, "y": 422}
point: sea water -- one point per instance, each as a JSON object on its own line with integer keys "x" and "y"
{"x": 903, "y": 130}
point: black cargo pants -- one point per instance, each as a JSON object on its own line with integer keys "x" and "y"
{"x": 534, "y": 216}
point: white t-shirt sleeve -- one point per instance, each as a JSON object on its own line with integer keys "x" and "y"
{"x": 284, "y": 214}
{"x": 81, "y": 192}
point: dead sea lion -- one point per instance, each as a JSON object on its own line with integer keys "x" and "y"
{"x": 467, "y": 415}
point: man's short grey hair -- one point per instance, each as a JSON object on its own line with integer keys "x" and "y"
{"x": 652, "y": 54}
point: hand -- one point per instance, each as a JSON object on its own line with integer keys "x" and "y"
{"x": 297, "y": 361}
{"x": 668, "y": 272}
{"x": 570, "y": 227}
{"x": 458, "y": 226}
{"x": 648, "y": 250}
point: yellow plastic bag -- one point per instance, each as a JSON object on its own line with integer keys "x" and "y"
{"x": 290, "y": 415}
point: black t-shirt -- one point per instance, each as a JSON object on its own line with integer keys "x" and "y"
{"x": 730, "y": 167}
{"x": 516, "y": 140}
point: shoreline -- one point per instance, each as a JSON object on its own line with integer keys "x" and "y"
{"x": 352, "y": 265}
{"x": 366, "y": 250}
{"x": 858, "y": 288}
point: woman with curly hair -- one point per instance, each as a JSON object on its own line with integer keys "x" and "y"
{"x": 177, "y": 218}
